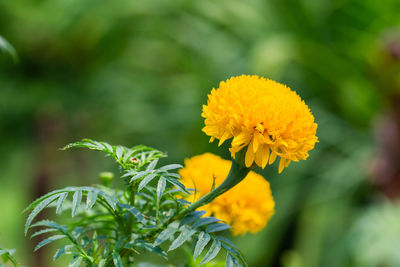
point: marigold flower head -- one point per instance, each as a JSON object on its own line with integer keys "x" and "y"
{"x": 247, "y": 207}
{"x": 263, "y": 115}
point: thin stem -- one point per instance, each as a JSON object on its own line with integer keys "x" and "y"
{"x": 235, "y": 176}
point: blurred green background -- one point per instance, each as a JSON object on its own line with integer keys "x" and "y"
{"x": 138, "y": 72}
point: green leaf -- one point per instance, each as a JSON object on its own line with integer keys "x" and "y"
{"x": 102, "y": 263}
{"x": 228, "y": 261}
{"x": 91, "y": 199}
{"x": 217, "y": 227}
{"x": 178, "y": 184}
{"x": 75, "y": 262}
{"x": 48, "y": 241}
{"x": 60, "y": 202}
{"x": 119, "y": 151}
{"x": 64, "y": 250}
{"x": 47, "y": 223}
{"x": 170, "y": 167}
{"x": 135, "y": 212}
{"x": 76, "y": 201}
{"x": 160, "y": 188}
{"x": 43, "y": 231}
{"x": 174, "y": 175}
{"x": 148, "y": 246}
{"x": 166, "y": 234}
{"x": 202, "y": 242}
{"x": 146, "y": 180}
{"x": 109, "y": 199}
{"x": 231, "y": 261}
{"x": 231, "y": 248}
{"x": 182, "y": 238}
{"x": 117, "y": 259}
{"x": 152, "y": 165}
{"x": 42, "y": 205}
{"x": 192, "y": 217}
{"x": 137, "y": 175}
{"x": 212, "y": 252}
{"x": 204, "y": 221}
{"x": 6, "y": 47}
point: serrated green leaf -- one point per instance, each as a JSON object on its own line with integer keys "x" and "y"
{"x": 217, "y": 227}
{"x": 137, "y": 175}
{"x": 212, "y": 252}
{"x": 91, "y": 198}
{"x": 60, "y": 202}
{"x": 226, "y": 241}
{"x": 117, "y": 259}
{"x": 109, "y": 199}
{"x": 204, "y": 221}
{"x": 119, "y": 151}
{"x": 148, "y": 246}
{"x": 75, "y": 262}
{"x": 174, "y": 175}
{"x": 202, "y": 242}
{"x": 231, "y": 261}
{"x": 166, "y": 234}
{"x": 182, "y": 238}
{"x": 152, "y": 165}
{"x": 43, "y": 231}
{"x": 48, "y": 241}
{"x": 192, "y": 217}
{"x": 170, "y": 167}
{"x": 184, "y": 202}
{"x": 147, "y": 179}
{"x": 231, "y": 248}
{"x": 135, "y": 212}
{"x": 76, "y": 201}
{"x": 64, "y": 250}
{"x": 160, "y": 188}
{"x": 120, "y": 242}
{"x": 178, "y": 185}
{"x": 42, "y": 205}
{"x": 51, "y": 224}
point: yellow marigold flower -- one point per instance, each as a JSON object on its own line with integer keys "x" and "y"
{"x": 264, "y": 115}
{"x": 247, "y": 207}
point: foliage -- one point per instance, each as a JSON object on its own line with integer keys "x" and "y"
{"x": 6, "y": 47}
{"x": 7, "y": 256}
{"x": 110, "y": 226}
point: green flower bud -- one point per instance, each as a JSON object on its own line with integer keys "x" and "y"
{"x": 106, "y": 178}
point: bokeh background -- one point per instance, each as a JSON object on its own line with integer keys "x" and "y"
{"x": 138, "y": 72}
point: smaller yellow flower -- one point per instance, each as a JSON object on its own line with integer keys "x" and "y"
{"x": 247, "y": 207}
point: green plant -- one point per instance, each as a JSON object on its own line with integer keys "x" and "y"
{"x": 7, "y": 256}
{"x": 113, "y": 225}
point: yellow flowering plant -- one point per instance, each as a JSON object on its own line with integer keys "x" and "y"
{"x": 159, "y": 210}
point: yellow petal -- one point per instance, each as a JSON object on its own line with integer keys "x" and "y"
{"x": 259, "y": 155}
{"x": 255, "y": 143}
{"x": 241, "y": 139}
{"x": 272, "y": 157}
{"x": 225, "y": 136}
{"x": 265, "y": 157}
{"x": 281, "y": 165}
{"x": 249, "y": 158}
{"x": 287, "y": 162}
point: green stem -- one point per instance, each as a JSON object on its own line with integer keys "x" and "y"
{"x": 236, "y": 175}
